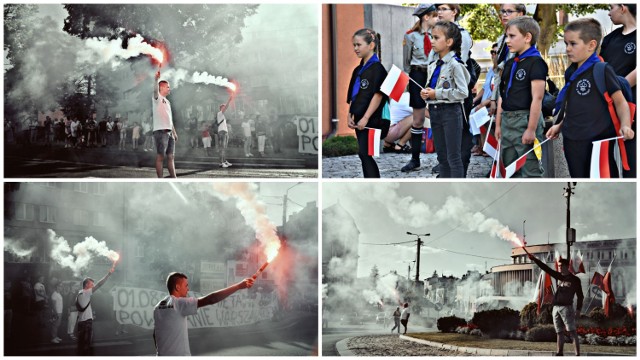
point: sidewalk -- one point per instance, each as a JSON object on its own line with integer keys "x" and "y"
{"x": 391, "y": 163}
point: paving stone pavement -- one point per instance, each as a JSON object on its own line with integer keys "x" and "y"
{"x": 392, "y": 345}
{"x": 349, "y": 167}
{"x": 391, "y": 163}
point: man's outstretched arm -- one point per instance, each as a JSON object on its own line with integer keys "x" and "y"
{"x": 222, "y": 294}
{"x": 103, "y": 280}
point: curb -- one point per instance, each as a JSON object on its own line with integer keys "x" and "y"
{"x": 493, "y": 352}
{"x": 342, "y": 349}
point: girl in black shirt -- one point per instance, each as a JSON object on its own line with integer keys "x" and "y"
{"x": 365, "y": 97}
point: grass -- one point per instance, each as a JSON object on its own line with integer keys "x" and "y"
{"x": 484, "y": 343}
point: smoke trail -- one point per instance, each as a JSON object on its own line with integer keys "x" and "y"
{"x": 179, "y": 76}
{"x": 204, "y": 78}
{"x": 79, "y": 258}
{"x": 405, "y": 210}
{"x": 15, "y": 247}
{"x": 254, "y": 213}
{"x": 110, "y": 50}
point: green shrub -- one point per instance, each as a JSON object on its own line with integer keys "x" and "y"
{"x": 528, "y": 315}
{"x": 541, "y": 333}
{"x": 340, "y": 146}
{"x": 497, "y": 323}
{"x": 449, "y": 324}
{"x": 597, "y": 315}
{"x": 546, "y": 315}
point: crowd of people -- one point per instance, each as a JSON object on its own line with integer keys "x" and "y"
{"x": 442, "y": 89}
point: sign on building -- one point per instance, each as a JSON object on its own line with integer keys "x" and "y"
{"x": 307, "y": 130}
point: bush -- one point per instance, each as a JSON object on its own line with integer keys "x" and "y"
{"x": 546, "y": 315}
{"x": 340, "y": 146}
{"x": 450, "y": 323}
{"x": 597, "y": 315}
{"x": 541, "y": 333}
{"x": 528, "y": 315}
{"x": 497, "y": 323}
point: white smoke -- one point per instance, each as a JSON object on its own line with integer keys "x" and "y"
{"x": 15, "y": 247}
{"x": 78, "y": 259}
{"x": 178, "y": 77}
{"x": 405, "y": 210}
{"x": 594, "y": 236}
{"x": 111, "y": 51}
{"x": 253, "y": 211}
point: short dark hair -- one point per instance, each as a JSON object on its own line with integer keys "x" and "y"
{"x": 494, "y": 45}
{"x": 526, "y": 24}
{"x": 85, "y": 281}
{"x": 564, "y": 262}
{"x": 632, "y": 9}
{"x": 521, "y": 8}
{"x": 451, "y": 31}
{"x": 163, "y": 82}
{"x": 588, "y": 28}
{"x": 172, "y": 280}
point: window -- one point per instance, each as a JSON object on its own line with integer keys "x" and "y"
{"x": 98, "y": 188}
{"x": 97, "y": 219}
{"x": 80, "y": 217}
{"x": 81, "y": 187}
{"x": 24, "y": 212}
{"x": 47, "y": 214}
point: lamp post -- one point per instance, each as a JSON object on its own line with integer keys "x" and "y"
{"x": 419, "y": 241}
{"x": 284, "y": 203}
{"x": 571, "y": 233}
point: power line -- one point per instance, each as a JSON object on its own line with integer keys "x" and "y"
{"x": 447, "y": 250}
{"x": 398, "y": 243}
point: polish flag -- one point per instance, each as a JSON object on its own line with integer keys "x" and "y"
{"x": 491, "y": 143}
{"x": 600, "y": 159}
{"x": 598, "y": 278}
{"x": 581, "y": 264}
{"x": 374, "y": 141}
{"x": 395, "y": 83}
{"x": 608, "y": 299}
{"x": 513, "y": 168}
{"x": 544, "y": 290}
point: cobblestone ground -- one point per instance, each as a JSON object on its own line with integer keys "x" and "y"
{"x": 392, "y": 345}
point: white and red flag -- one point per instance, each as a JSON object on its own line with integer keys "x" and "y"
{"x": 491, "y": 143}
{"x": 580, "y": 263}
{"x": 600, "y": 164}
{"x": 544, "y": 290}
{"x": 608, "y": 299}
{"x": 395, "y": 83}
{"x": 373, "y": 143}
{"x": 598, "y": 278}
{"x": 514, "y": 167}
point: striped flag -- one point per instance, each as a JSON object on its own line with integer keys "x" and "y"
{"x": 491, "y": 143}
{"x": 600, "y": 165}
{"x": 373, "y": 144}
{"x": 395, "y": 83}
{"x": 544, "y": 290}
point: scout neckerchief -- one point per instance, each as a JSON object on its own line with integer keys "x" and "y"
{"x": 356, "y": 85}
{"x": 569, "y": 77}
{"x": 530, "y": 52}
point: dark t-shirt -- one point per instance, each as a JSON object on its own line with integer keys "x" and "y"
{"x": 527, "y": 70}
{"x": 568, "y": 287}
{"x": 102, "y": 125}
{"x": 587, "y": 116}
{"x": 620, "y": 51}
{"x": 370, "y": 82}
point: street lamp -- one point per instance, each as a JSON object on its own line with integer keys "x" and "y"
{"x": 284, "y": 202}
{"x": 419, "y": 241}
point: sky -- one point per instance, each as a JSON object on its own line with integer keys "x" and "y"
{"x": 300, "y": 193}
{"x": 460, "y": 217}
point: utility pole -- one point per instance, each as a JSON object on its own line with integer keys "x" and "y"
{"x": 570, "y": 233}
{"x": 419, "y": 243}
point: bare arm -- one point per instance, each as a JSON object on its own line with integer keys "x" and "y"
{"x": 220, "y": 295}
{"x": 632, "y": 77}
{"x": 155, "y": 86}
{"x": 622, "y": 109}
{"x": 103, "y": 280}
{"x": 373, "y": 106}
{"x": 537, "y": 93}
{"x": 228, "y": 101}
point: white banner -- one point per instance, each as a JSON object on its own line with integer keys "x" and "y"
{"x": 134, "y": 306}
{"x": 307, "y": 134}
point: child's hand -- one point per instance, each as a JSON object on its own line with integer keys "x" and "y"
{"x": 626, "y": 132}
{"x": 528, "y": 137}
{"x": 423, "y": 94}
{"x": 362, "y": 123}
{"x": 497, "y": 133}
{"x": 554, "y": 132}
{"x": 350, "y": 123}
{"x": 431, "y": 93}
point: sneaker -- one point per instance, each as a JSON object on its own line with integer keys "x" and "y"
{"x": 224, "y": 165}
{"x": 72, "y": 337}
{"x": 250, "y": 155}
{"x": 228, "y": 163}
{"x": 436, "y": 169}
{"x": 411, "y": 165}
{"x": 55, "y": 341}
{"x": 246, "y": 155}
{"x": 57, "y": 338}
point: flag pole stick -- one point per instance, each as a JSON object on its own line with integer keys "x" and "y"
{"x": 416, "y": 83}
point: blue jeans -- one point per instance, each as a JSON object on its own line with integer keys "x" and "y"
{"x": 446, "y": 125}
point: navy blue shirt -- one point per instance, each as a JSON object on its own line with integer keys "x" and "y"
{"x": 527, "y": 70}
{"x": 370, "y": 82}
{"x": 587, "y": 115}
{"x": 620, "y": 52}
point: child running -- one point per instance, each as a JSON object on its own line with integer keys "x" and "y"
{"x": 519, "y": 118}
{"x": 586, "y": 116}
{"x": 445, "y": 92}
{"x": 365, "y": 98}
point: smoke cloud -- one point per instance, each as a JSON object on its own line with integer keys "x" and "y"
{"x": 110, "y": 51}
{"x": 82, "y": 254}
{"x": 16, "y": 247}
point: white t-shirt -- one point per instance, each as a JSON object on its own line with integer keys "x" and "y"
{"x": 221, "y": 118}
{"x": 170, "y": 317}
{"x": 405, "y": 314}
{"x": 401, "y": 109}
{"x": 162, "y": 119}
{"x": 56, "y": 298}
{"x": 83, "y": 300}
{"x": 246, "y": 129}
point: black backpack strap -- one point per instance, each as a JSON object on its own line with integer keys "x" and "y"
{"x": 82, "y": 309}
